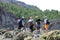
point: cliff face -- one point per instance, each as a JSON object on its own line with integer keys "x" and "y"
{"x": 54, "y": 24}
{"x": 7, "y": 20}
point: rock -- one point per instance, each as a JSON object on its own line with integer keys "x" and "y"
{"x": 28, "y": 38}
{"x": 36, "y": 33}
{"x": 8, "y": 35}
{"x": 2, "y": 31}
{"x": 54, "y": 24}
{"x": 20, "y": 36}
{"x": 53, "y": 35}
{"x": 7, "y": 19}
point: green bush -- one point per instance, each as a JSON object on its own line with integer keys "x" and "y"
{"x": 32, "y": 11}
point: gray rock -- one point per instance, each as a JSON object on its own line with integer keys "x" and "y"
{"x": 7, "y": 19}
{"x": 54, "y": 24}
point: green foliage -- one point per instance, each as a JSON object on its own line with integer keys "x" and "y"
{"x": 27, "y": 12}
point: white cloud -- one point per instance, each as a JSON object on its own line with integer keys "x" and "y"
{"x": 44, "y": 4}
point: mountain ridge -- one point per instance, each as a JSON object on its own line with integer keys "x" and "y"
{"x": 19, "y": 3}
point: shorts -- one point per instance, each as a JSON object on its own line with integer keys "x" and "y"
{"x": 38, "y": 27}
{"x": 46, "y": 26}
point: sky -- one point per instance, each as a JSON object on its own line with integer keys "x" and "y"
{"x": 44, "y": 4}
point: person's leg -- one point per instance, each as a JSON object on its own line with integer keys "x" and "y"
{"x": 31, "y": 28}
{"x": 46, "y": 27}
{"x": 38, "y": 27}
{"x": 19, "y": 27}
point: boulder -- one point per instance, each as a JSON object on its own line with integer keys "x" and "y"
{"x": 53, "y": 35}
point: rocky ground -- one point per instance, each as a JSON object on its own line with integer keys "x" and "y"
{"x": 27, "y": 35}
{"x": 19, "y": 35}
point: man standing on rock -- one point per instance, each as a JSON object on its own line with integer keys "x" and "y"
{"x": 31, "y": 24}
{"x": 38, "y": 23}
{"x": 46, "y": 23}
{"x": 21, "y": 22}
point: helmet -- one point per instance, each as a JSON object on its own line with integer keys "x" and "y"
{"x": 36, "y": 16}
{"x": 23, "y": 17}
{"x": 30, "y": 17}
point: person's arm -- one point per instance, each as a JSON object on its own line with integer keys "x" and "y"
{"x": 18, "y": 20}
{"x": 23, "y": 23}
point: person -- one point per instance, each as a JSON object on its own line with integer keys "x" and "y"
{"x": 38, "y": 22}
{"x": 21, "y": 22}
{"x": 31, "y": 24}
{"x": 46, "y": 23}
{"x": 18, "y": 20}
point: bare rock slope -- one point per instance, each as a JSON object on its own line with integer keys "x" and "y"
{"x": 7, "y": 19}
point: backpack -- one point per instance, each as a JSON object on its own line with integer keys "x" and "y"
{"x": 47, "y": 22}
{"x": 20, "y": 23}
{"x": 38, "y": 21}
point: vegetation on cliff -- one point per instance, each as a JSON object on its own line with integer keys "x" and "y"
{"x": 32, "y": 11}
